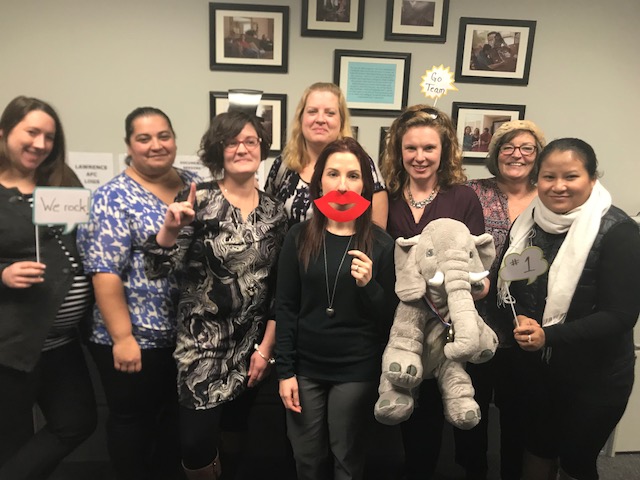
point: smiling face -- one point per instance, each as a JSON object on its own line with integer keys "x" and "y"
{"x": 563, "y": 181}
{"x": 152, "y": 145}
{"x": 30, "y": 142}
{"x": 342, "y": 187}
{"x": 320, "y": 119}
{"x": 242, "y": 153}
{"x": 421, "y": 151}
{"x": 516, "y": 167}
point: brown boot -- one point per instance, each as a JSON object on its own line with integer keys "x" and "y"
{"x": 213, "y": 471}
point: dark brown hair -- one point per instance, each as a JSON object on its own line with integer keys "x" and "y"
{"x": 312, "y": 234}
{"x": 224, "y": 127}
{"x": 143, "y": 112}
{"x": 53, "y": 171}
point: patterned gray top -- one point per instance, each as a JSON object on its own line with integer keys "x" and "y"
{"x": 225, "y": 269}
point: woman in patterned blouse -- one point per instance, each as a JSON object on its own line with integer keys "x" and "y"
{"x": 132, "y": 335}
{"x": 512, "y": 154}
{"x": 223, "y": 241}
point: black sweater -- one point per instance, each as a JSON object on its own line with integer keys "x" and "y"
{"x": 592, "y": 351}
{"x": 347, "y": 347}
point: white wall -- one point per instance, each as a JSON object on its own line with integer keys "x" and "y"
{"x": 97, "y": 60}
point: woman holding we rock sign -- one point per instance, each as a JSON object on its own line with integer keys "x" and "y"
{"x": 41, "y": 302}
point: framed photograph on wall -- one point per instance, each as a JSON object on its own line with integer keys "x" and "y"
{"x": 374, "y": 83}
{"x": 248, "y": 38}
{"x": 332, "y": 18}
{"x": 417, "y": 21}
{"x": 354, "y": 132}
{"x": 477, "y": 122}
{"x": 494, "y": 51}
{"x": 382, "y": 143}
{"x": 272, "y": 109}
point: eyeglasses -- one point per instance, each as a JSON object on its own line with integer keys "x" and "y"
{"x": 431, "y": 112}
{"x": 525, "y": 150}
{"x": 249, "y": 143}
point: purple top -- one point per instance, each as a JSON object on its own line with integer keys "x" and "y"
{"x": 496, "y": 213}
{"x": 458, "y": 202}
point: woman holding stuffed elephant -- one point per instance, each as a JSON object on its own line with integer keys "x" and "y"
{"x": 335, "y": 303}
{"x": 512, "y": 154}
{"x": 576, "y": 312}
{"x": 422, "y": 167}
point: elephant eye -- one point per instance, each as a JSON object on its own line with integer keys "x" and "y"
{"x": 471, "y": 254}
{"x": 429, "y": 252}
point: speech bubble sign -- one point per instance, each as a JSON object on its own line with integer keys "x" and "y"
{"x": 61, "y": 206}
{"x": 528, "y": 265}
{"x": 437, "y": 82}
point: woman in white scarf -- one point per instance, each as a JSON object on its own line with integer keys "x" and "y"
{"x": 575, "y": 321}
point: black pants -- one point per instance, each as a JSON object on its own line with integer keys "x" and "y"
{"x": 142, "y": 426}
{"x": 571, "y": 422}
{"x": 498, "y": 379}
{"x": 258, "y": 417}
{"x": 422, "y": 433}
{"x": 61, "y": 386}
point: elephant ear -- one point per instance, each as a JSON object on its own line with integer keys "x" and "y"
{"x": 486, "y": 249}
{"x": 410, "y": 286}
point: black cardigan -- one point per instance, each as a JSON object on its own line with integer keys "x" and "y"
{"x": 26, "y": 314}
{"x": 592, "y": 351}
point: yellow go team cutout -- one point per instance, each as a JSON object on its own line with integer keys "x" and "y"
{"x": 437, "y": 82}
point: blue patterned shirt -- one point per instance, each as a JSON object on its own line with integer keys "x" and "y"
{"x": 123, "y": 216}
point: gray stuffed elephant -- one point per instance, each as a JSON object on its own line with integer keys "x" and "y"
{"x": 437, "y": 328}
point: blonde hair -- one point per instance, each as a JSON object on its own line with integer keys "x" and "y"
{"x": 450, "y": 171}
{"x": 295, "y": 154}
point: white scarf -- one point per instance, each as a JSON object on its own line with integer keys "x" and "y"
{"x": 582, "y": 225}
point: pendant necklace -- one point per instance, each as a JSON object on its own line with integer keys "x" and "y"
{"x": 421, "y": 203}
{"x": 330, "y": 311}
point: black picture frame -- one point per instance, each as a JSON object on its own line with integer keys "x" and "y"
{"x": 382, "y": 143}
{"x": 417, "y": 22}
{"x": 354, "y": 132}
{"x": 272, "y": 108}
{"x": 481, "y": 116}
{"x": 374, "y": 83}
{"x": 265, "y": 50}
{"x": 479, "y": 61}
{"x": 344, "y": 21}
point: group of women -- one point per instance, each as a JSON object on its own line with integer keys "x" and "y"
{"x": 200, "y": 287}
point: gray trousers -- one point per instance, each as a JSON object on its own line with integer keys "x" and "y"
{"x": 329, "y": 437}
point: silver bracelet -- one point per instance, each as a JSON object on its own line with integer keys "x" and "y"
{"x": 270, "y": 361}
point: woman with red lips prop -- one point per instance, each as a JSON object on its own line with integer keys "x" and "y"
{"x": 322, "y": 116}
{"x": 335, "y": 301}
{"x": 422, "y": 167}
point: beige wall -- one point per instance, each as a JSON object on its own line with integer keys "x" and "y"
{"x": 97, "y": 60}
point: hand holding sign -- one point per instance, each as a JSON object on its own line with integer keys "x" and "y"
{"x": 23, "y": 274}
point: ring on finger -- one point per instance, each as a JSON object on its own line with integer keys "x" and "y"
{"x": 529, "y": 339}
{"x": 357, "y": 267}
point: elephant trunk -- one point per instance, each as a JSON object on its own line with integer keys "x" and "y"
{"x": 462, "y": 311}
